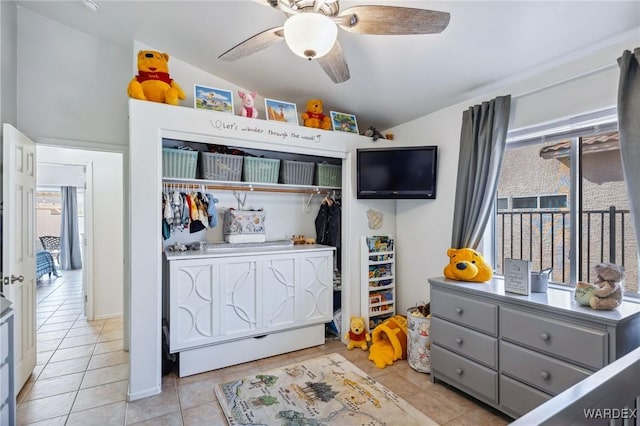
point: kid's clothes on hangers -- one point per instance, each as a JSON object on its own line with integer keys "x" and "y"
{"x": 194, "y": 211}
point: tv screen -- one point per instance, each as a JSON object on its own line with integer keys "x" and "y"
{"x": 400, "y": 173}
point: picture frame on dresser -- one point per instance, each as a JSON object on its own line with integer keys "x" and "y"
{"x": 517, "y": 276}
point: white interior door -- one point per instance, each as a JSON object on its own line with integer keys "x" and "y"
{"x": 18, "y": 260}
{"x": 87, "y": 262}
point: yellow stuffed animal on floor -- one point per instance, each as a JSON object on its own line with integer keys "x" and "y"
{"x": 153, "y": 82}
{"x": 466, "y": 264}
{"x": 357, "y": 335}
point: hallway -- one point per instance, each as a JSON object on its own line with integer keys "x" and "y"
{"x": 81, "y": 376}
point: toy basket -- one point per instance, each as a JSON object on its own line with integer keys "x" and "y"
{"x": 215, "y": 166}
{"x": 418, "y": 341}
{"x": 179, "y": 163}
{"x": 329, "y": 174}
{"x": 263, "y": 170}
{"x": 296, "y": 172}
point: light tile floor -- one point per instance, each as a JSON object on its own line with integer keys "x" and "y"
{"x": 82, "y": 376}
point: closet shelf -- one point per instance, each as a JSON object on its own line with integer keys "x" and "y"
{"x": 250, "y": 186}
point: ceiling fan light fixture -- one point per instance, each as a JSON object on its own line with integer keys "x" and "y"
{"x": 310, "y": 35}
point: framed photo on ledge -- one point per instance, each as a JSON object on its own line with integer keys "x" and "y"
{"x": 343, "y": 122}
{"x": 212, "y": 99}
{"x": 285, "y": 112}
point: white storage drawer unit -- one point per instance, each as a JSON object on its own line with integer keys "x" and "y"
{"x": 515, "y": 352}
{"x": 236, "y": 305}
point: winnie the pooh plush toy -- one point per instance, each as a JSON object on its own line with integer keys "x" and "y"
{"x": 314, "y": 117}
{"x": 153, "y": 82}
{"x": 466, "y": 264}
{"x": 357, "y": 335}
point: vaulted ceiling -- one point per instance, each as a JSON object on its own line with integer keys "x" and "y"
{"x": 394, "y": 79}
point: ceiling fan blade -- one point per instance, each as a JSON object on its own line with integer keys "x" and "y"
{"x": 254, "y": 44}
{"x": 392, "y": 20}
{"x": 335, "y": 65}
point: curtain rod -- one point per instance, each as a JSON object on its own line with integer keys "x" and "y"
{"x": 566, "y": 80}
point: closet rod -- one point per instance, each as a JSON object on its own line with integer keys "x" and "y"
{"x": 248, "y": 188}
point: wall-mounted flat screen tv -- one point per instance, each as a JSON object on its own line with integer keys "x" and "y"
{"x": 397, "y": 173}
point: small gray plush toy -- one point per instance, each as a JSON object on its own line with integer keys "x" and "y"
{"x": 373, "y": 133}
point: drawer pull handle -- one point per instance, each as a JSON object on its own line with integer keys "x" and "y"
{"x": 459, "y": 340}
{"x": 545, "y": 336}
{"x": 458, "y": 311}
{"x": 459, "y": 371}
{"x": 262, "y": 336}
{"x": 545, "y": 375}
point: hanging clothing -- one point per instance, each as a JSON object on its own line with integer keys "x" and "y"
{"x": 211, "y": 211}
{"x": 328, "y": 226}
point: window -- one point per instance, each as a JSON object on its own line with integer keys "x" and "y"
{"x": 581, "y": 215}
{"x": 502, "y": 203}
{"x": 524, "y": 202}
{"x": 553, "y": 201}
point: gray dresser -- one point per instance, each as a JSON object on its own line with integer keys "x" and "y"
{"x": 7, "y": 391}
{"x": 515, "y": 352}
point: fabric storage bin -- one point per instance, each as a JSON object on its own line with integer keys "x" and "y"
{"x": 179, "y": 163}
{"x": 329, "y": 174}
{"x": 296, "y": 172}
{"x": 215, "y": 166}
{"x": 263, "y": 170}
{"x": 418, "y": 341}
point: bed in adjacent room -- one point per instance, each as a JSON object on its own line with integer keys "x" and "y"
{"x": 45, "y": 264}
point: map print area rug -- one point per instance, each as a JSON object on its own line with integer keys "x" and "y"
{"x": 328, "y": 390}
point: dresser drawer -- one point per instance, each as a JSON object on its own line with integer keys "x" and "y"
{"x": 546, "y": 373}
{"x": 469, "y": 343}
{"x": 478, "y": 315}
{"x": 460, "y": 371}
{"x": 4, "y": 383}
{"x": 572, "y": 342}
{"x": 517, "y": 398}
{"x": 4, "y": 342}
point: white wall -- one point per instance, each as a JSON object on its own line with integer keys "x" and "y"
{"x": 8, "y": 56}
{"x": 108, "y": 227}
{"x": 70, "y": 85}
{"x": 8, "y": 69}
{"x": 424, "y": 228}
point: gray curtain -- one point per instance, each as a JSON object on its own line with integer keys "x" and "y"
{"x": 629, "y": 128}
{"x": 482, "y": 142}
{"x": 70, "y": 257}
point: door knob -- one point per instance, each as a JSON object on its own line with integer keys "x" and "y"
{"x": 14, "y": 278}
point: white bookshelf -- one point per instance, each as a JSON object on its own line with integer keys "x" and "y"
{"x": 378, "y": 265}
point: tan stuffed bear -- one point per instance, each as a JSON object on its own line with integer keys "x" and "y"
{"x": 466, "y": 264}
{"x": 608, "y": 295}
{"x": 153, "y": 82}
{"x": 357, "y": 335}
{"x": 314, "y": 117}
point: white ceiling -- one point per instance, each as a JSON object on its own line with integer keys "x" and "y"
{"x": 394, "y": 79}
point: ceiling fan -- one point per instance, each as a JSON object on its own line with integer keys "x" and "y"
{"x": 311, "y": 30}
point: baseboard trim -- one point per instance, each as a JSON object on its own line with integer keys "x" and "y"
{"x": 143, "y": 394}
